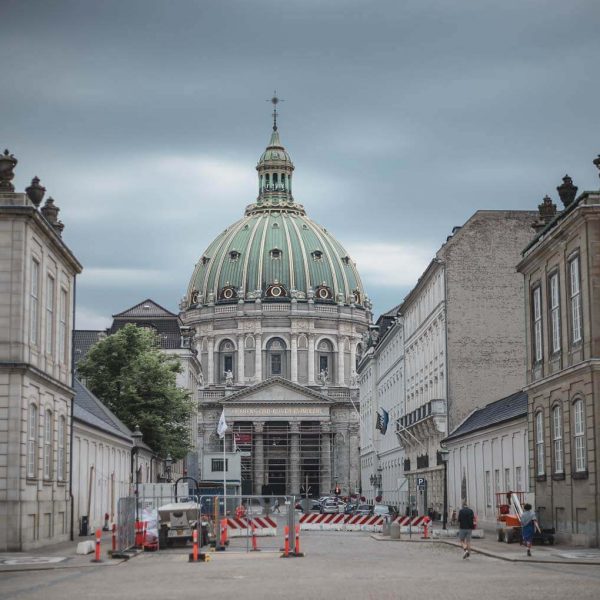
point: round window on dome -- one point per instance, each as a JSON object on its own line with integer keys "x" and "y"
{"x": 228, "y": 293}
{"x": 323, "y": 293}
{"x": 276, "y": 290}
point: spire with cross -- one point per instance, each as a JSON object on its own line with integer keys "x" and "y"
{"x": 275, "y": 100}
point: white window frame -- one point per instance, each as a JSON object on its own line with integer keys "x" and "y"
{"x": 47, "y": 454}
{"x": 518, "y": 484}
{"x": 557, "y": 440}
{"x": 62, "y": 438}
{"x": 540, "y": 453}
{"x": 555, "y": 312}
{"x": 579, "y": 436}
{"x": 34, "y": 301}
{"x": 575, "y": 296}
{"x": 62, "y": 327}
{"x": 488, "y": 489}
{"x": 32, "y": 432}
{"x": 536, "y": 299}
{"x": 50, "y": 292}
{"x": 507, "y": 487}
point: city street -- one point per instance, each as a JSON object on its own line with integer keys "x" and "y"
{"x": 337, "y": 565}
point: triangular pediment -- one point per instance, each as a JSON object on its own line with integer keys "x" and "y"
{"x": 146, "y": 309}
{"x": 276, "y": 391}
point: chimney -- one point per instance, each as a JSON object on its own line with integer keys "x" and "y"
{"x": 567, "y": 191}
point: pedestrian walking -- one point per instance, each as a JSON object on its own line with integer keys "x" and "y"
{"x": 466, "y": 524}
{"x": 276, "y": 506}
{"x": 529, "y": 525}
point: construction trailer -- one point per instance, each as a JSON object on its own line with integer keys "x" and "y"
{"x": 509, "y": 509}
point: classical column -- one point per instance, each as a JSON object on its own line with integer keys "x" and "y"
{"x": 240, "y": 359}
{"x": 340, "y": 365}
{"x": 352, "y": 356}
{"x": 294, "y": 359}
{"x": 354, "y": 457}
{"x": 311, "y": 360}
{"x": 295, "y": 458}
{"x": 258, "y": 357}
{"x": 325, "y": 483}
{"x": 211, "y": 361}
{"x": 341, "y": 456}
{"x": 259, "y": 458}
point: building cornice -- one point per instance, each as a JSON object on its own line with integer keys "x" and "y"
{"x": 21, "y": 366}
{"x": 590, "y": 363}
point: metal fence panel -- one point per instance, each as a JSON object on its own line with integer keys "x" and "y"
{"x": 126, "y": 523}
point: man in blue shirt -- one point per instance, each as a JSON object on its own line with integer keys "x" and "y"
{"x": 466, "y": 524}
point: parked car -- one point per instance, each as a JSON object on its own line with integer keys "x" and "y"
{"x": 332, "y": 507}
{"x": 382, "y": 510}
{"x": 363, "y": 510}
{"x": 350, "y": 508}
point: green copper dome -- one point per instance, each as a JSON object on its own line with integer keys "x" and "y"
{"x": 275, "y": 253}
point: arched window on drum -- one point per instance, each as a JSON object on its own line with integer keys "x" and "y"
{"x": 226, "y": 360}
{"x": 325, "y": 364}
{"x": 277, "y": 362}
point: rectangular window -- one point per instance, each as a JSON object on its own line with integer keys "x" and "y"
{"x": 555, "y": 312}
{"x": 579, "y": 434}
{"x": 488, "y": 489}
{"x": 323, "y": 364}
{"x": 496, "y": 481}
{"x": 34, "y": 298}
{"x": 62, "y": 331}
{"x": 575, "y": 293}
{"x": 48, "y": 445}
{"x": 32, "y": 441}
{"x": 539, "y": 443}
{"x": 60, "y": 459}
{"x": 50, "y": 315}
{"x": 228, "y": 363}
{"x": 507, "y": 480}
{"x": 537, "y": 324}
{"x": 276, "y": 364}
{"x": 557, "y": 439}
{"x": 216, "y": 465}
{"x": 518, "y": 484}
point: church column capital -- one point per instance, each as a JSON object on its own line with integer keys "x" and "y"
{"x": 294, "y": 427}
{"x": 326, "y": 427}
{"x": 259, "y": 426}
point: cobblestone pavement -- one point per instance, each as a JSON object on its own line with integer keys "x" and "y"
{"x": 337, "y": 565}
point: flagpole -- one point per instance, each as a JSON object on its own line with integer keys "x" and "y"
{"x": 224, "y": 476}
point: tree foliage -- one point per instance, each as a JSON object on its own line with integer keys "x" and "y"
{"x": 129, "y": 373}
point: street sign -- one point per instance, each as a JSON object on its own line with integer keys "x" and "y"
{"x": 421, "y": 481}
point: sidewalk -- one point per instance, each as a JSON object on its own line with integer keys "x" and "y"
{"x": 489, "y": 546}
{"x": 57, "y": 556}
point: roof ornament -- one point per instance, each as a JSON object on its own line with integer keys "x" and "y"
{"x": 275, "y": 100}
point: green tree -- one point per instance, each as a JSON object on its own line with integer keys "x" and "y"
{"x": 137, "y": 381}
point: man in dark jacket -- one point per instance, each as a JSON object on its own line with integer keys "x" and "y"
{"x": 466, "y": 524}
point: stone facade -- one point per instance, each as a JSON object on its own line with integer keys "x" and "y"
{"x": 381, "y": 385}
{"x": 463, "y": 339}
{"x": 562, "y": 307}
{"x": 37, "y": 286}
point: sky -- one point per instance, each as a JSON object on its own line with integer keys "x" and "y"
{"x": 144, "y": 119}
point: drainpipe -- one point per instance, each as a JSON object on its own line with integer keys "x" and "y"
{"x": 72, "y": 501}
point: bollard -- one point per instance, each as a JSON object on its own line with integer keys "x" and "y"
{"x": 425, "y": 528}
{"x": 114, "y": 538}
{"x": 286, "y": 543}
{"x": 223, "y": 533}
{"x": 297, "y": 548}
{"x": 138, "y": 534}
{"x": 255, "y": 547}
{"x": 195, "y": 542}
{"x": 144, "y": 529}
{"x": 97, "y": 558}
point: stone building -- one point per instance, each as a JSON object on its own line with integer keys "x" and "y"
{"x": 463, "y": 336}
{"x": 381, "y": 385}
{"x": 279, "y": 313}
{"x": 561, "y": 267}
{"x": 37, "y": 289}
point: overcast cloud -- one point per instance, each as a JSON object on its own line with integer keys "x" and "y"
{"x": 145, "y": 119}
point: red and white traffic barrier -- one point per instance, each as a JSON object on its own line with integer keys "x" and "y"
{"x": 341, "y": 522}
{"x": 242, "y": 527}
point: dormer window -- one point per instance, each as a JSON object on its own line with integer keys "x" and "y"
{"x": 346, "y": 260}
{"x": 317, "y": 255}
{"x": 234, "y": 255}
{"x": 204, "y": 260}
{"x": 276, "y": 253}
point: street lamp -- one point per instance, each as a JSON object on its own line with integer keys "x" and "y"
{"x": 137, "y": 440}
{"x": 444, "y": 455}
{"x": 168, "y": 466}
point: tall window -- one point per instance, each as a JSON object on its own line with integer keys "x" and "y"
{"x": 575, "y": 293}
{"x": 557, "y": 439}
{"x": 62, "y": 327}
{"x": 507, "y": 480}
{"x": 35, "y": 290}
{"x": 579, "y": 435}
{"x": 50, "y": 315}
{"x": 488, "y": 489}
{"x": 539, "y": 443}
{"x": 32, "y": 441}
{"x": 555, "y": 312}
{"x": 62, "y": 438}
{"x": 518, "y": 484}
{"x": 537, "y": 324}
{"x": 48, "y": 445}
{"x": 496, "y": 481}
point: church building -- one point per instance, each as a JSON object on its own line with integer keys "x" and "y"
{"x": 279, "y": 312}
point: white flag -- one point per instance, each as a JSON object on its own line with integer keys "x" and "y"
{"x": 222, "y": 426}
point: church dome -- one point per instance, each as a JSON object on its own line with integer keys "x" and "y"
{"x": 275, "y": 252}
